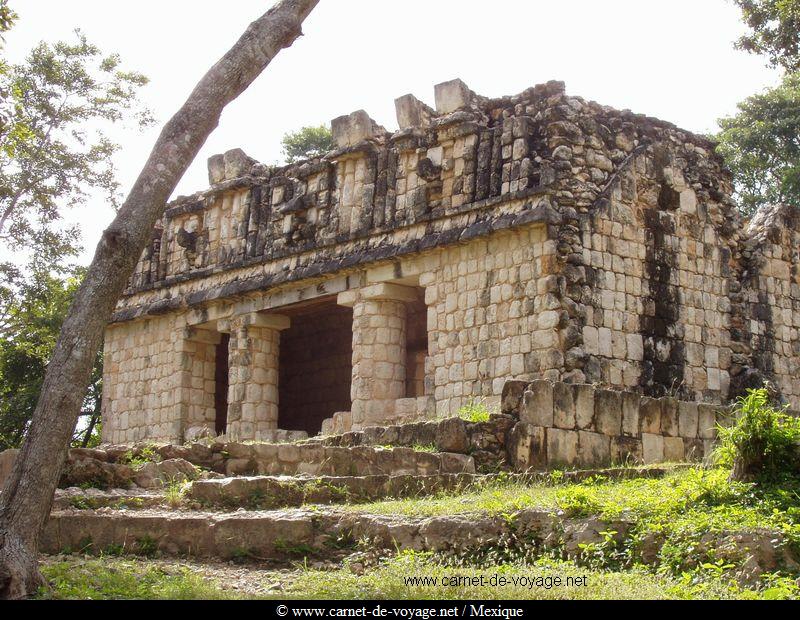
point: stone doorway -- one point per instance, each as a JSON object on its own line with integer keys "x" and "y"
{"x": 416, "y": 345}
{"x": 315, "y": 366}
{"x": 221, "y": 369}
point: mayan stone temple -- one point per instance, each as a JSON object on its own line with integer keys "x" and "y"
{"x": 533, "y": 240}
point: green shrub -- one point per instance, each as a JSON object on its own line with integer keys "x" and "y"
{"x": 137, "y": 457}
{"x": 763, "y": 443}
{"x": 474, "y": 411}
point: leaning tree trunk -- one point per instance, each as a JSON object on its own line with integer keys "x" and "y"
{"x": 27, "y": 495}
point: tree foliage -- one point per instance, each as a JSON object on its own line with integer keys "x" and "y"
{"x": 29, "y": 326}
{"x": 761, "y": 145}
{"x": 7, "y": 17}
{"x": 307, "y": 143}
{"x": 54, "y": 111}
{"x": 774, "y": 27}
{"x": 54, "y": 148}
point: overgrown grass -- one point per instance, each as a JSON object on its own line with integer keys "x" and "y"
{"x": 111, "y": 578}
{"x": 389, "y": 581}
{"x": 137, "y": 457}
{"x": 175, "y": 492}
{"x": 694, "y": 496}
{"x": 474, "y": 411}
{"x": 679, "y": 510}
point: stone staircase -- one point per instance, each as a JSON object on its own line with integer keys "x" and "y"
{"x": 275, "y": 501}
{"x": 274, "y": 504}
{"x": 272, "y": 501}
{"x": 218, "y": 521}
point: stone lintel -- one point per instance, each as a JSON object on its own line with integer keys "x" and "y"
{"x": 352, "y": 129}
{"x": 347, "y": 298}
{"x": 411, "y": 112}
{"x": 389, "y": 291}
{"x": 207, "y": 336}
{"x": 271, "y": 321}
{"x": 208, "y": 316}
{"x": 453, "y": 95}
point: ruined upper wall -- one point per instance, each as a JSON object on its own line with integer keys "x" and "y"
{"x": 470, "y": 154}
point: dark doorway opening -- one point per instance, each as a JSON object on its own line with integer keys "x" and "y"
{"x": 221, "y": 385}
{"x": 316, "y": 357}
{"x": 416, "y": 346}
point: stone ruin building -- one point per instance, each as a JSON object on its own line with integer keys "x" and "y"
{"x": 538, "y": 236}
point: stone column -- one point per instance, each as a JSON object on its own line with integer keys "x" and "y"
{"x": 253, "y": 356}
{"x": 194, "y": 392}
{"x": 379, "y": 350}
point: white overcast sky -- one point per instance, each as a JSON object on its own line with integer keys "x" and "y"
{"x": 673, "y": 60}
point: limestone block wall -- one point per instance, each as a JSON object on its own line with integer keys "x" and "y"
{"x": 379, "y": 358}
{"x": 582, "y": 425}
{"x": 141, "y": 380}
{"x": 490, "y": 315}
{"x": 253, "y": 375}
{"x": 196, "y": 370}
{"x": 657, "y": 268}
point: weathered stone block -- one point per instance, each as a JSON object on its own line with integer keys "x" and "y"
{"x": 451, "y": 96}
{"x": 650, "y": 416}
{"x": 687, "y": 419}
{"x": 527, "y": 447}
{"x": 564, "y": 406}
{"x": 451, "y": 436}
{"x": 537, "y": 404}
{"x": 669, "y": 417}
{"x": 583, "y": 396}
{"x": 608, "y": 412}
{"x": 674, "y": 449}
{"x": 562, "y": 447}
{"x": 512, "y": 397}
{"x": 630, "y": 413}
{"x": 652, "y": 448}
{"x": 352, "y": 129}
{"x": 411, "y": 112}
{"x": 240, "y": 467}
{"x": 626, "y": 450}
{"x": 456, "y": 463}
{"x": 593, "y": 448}
{"x": 693, "y": 449}
{"x": 237, "y": 163}
{"x": 707, "y": 421}
{"x": 216, "y": 169}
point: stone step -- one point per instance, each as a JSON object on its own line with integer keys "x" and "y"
{"x": 282, "y": 535}
{"x": 321, "y": 460}
{"x": 486, "y": 441}
{"x": 91, "y": 499}
{"x": 288, "y": 535}
{"x": 157, "y": 466}
{"x": 268, "y": 492}
{"x": 273, "y": 492}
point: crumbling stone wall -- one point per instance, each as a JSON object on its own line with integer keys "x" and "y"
{"x": 551, "y": 237}
{"x": 767, "y": 304}
{"x": 655, "y": 285}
